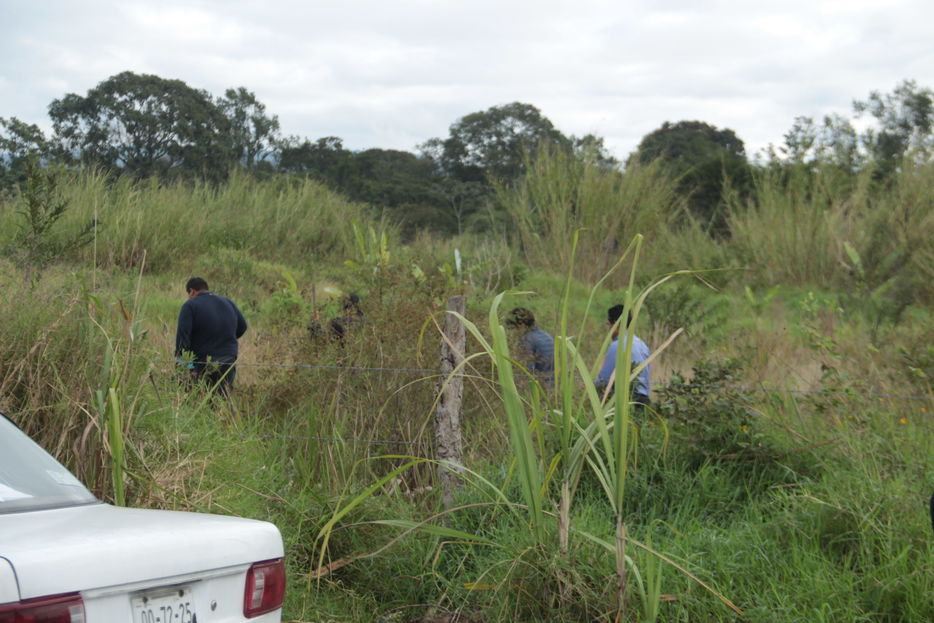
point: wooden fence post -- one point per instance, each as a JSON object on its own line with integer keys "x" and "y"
{"x": 448, "y": 442}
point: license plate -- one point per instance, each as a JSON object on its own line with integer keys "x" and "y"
{"x": 165, "y": 606}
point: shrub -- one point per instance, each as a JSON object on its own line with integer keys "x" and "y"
{"x": 708, "y": 416}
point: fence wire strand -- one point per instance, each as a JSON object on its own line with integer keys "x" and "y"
{"x": 775, "y": 390}
{"x": 427, "y": 371}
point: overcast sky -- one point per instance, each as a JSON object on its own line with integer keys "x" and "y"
{"x": 392, "y": 74}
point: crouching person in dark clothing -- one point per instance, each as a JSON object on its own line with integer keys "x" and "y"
{"x": 537, "y": 346}
{"x": 351, "y": 316}
{"x": 209, "y": 326}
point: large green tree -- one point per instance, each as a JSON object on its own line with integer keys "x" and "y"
{"x": 253, "y": 134}
{"x": 833, "y": 141}
{"x": 325, "y": 159}
{"x": 900, "y": 125}
{"x": 145, "y": 125}
{"x": 703, "y": 158}
{"x": 903, "y": 121}
{"x": 463, "y": 202}
{"x": 830, "y": 147}
{"x": 20, "y": 144}
{"x": 391, "y": 177}
{"x": 404, "y": 184}
{"x": 592, "y": 148}
{"x": 491, "y": 143}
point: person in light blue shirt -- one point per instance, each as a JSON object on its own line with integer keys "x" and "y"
{"x": 535, "y": 344}
{"x": 640, "y": 352}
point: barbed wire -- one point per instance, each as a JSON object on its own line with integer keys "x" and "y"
{"x": 305, "y": 366}
{"x": 388, "y": 442}
{"x": 779, "y": 390}
{"x": 348, "y": 368}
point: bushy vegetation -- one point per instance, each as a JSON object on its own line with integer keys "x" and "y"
{"x": 781, "y": 474}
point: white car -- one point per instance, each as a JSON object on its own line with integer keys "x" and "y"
{"x": 66, "y": 557}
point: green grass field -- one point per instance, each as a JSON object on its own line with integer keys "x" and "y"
{"x": 782, "y": 475}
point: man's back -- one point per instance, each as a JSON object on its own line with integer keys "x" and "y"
{"x": 640, "y": 352}
{"x": 209, "y": 325}
{"x": 541, "y": 348}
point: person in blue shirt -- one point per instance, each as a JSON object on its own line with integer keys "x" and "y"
{"x": 209, "y": 326}
{"x": 535, "y": 344}
{"x": 639, "y": 388}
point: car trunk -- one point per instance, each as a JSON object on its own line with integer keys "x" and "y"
{"x": 99, "y": 546}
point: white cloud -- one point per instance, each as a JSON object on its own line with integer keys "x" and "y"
{"x": 395, "y": 74}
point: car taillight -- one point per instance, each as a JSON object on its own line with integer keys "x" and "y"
{"x": 265, "y": 588}
{"x": 55, "y": 609}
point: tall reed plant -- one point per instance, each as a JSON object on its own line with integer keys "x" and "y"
{"x": 553, "y": 440}
{"x": 563, "y": 193}
{"x": 804, "y": 227}
{"x": 793, "y": 228}
{"x": 172, "y": 223}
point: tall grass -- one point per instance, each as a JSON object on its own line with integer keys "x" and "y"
{"x": 793, "y": 228}
{"x": 562, "y": 194}
{"x": 173, "y": 223}
{"x": 798, "y": 225}
{"x": 898, "y": 244}
{"x": 829, "y": 524}
{"x": 552, "y": 440}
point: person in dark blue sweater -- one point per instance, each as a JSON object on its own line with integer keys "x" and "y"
{"x": 209, "y": 326}
{"x": 536, "y": 345}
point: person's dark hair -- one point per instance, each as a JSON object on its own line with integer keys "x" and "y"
{"x": 197, "y": 284}
{"x": 613, "y": 314}
{"x": 521, "y": 317}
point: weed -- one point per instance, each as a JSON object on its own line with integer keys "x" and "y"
{"x": 709, "y": 418}
{"x": 35, "y": 246}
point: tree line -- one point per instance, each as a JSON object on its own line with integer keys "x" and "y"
{"x": 144, "y": 126}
